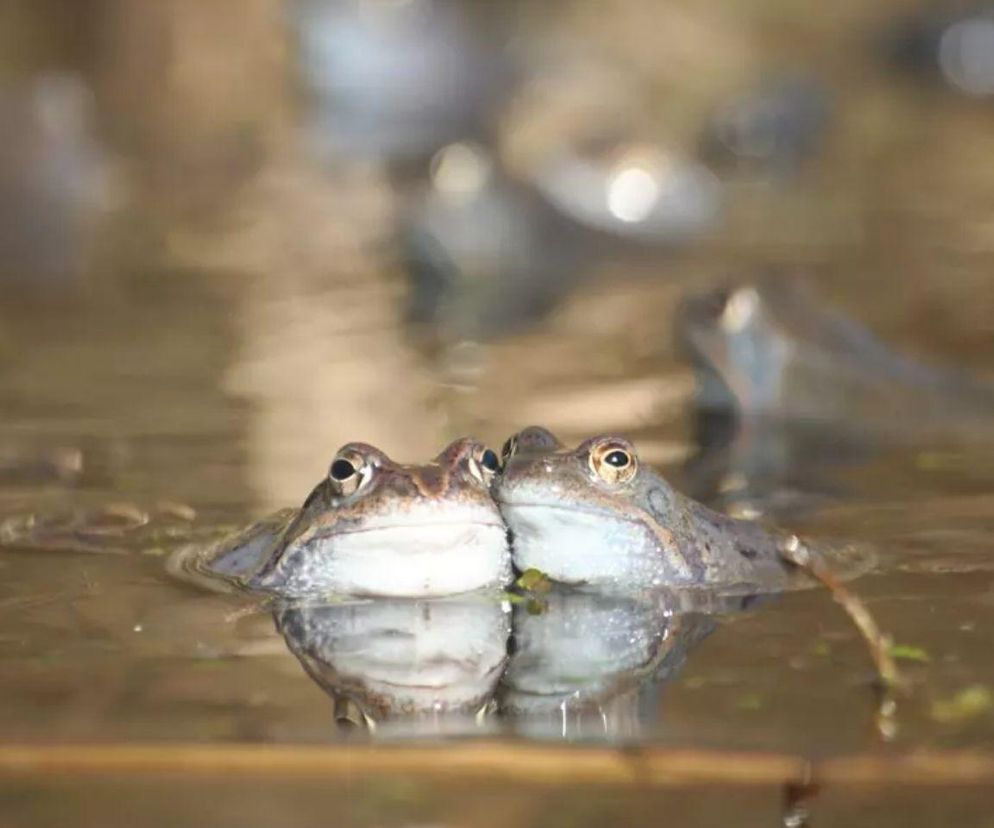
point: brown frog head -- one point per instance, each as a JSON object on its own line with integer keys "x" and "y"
{"x": 377, "y": 527}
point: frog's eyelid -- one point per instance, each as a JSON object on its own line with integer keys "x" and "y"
{"x": 478, "y": 470}
{"x": 609, "y": 445}
{"x": 474, "y": 469}
{"x": 510, "y": 446}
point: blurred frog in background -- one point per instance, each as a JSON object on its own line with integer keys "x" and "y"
{"x": 786, "y": 387}
{"x": 948, "y": 43}
{"x": 54, "y": 180}
{"x": 396, "y": 81}
{"x": 768, "y": 131}
{"x": 769, "y": 349}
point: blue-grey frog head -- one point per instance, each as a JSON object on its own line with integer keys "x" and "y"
{"x": 596, "y": 514}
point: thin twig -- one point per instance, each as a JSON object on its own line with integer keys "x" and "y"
{"x": 878, "y": 642}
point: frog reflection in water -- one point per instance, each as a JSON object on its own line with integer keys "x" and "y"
{"x": 429, "y": 663}
{"x": 592, "y": 663}
{"x": 585, "y": 664}
{"x": 376, "y": 527}
{"x": 767, "y": 349}
{"x": 596, "y": 515}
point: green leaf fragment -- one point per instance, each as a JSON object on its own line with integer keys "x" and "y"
{"x": 749, "y": 701}
{"x": 939, "y": 460}
{"x": 907, "y": 652}
{"x": 968, "y": 703}
{"x": 821, "y": 649}
{"x": 533, "y": 580}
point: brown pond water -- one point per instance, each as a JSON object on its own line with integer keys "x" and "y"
{"x": 226, "y": 345}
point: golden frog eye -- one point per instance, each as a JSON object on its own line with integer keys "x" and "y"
{"x": 613, "y": 462}
{"x": 348, "y": 471}
{"x": 484, "y": 464}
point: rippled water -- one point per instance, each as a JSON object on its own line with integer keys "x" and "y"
{"x": 210, "y": 384}
{"x": 103, "y": 646}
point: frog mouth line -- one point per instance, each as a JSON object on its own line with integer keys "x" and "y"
{"x": 595, "y": 511}
{"x": 333, "y": 532}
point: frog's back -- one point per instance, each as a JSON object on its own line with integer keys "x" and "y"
{"x": 744, "y": 556}
{"x": 235, "y": 560}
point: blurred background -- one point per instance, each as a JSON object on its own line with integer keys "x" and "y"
{"x": 236, "y": 234}
{"x": 265, "y": 227}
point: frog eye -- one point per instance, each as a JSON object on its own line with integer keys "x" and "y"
{"x": 509, "y": 448}
{"x": 613, "y": 462}
{"x": 490, "y": 461}
{"x": 341, "y": 470}
{"x": 484, "y": 464}
{"x": 347, "y": 473}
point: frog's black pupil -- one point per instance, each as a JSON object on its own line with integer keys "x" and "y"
{"x": 489, "y": 460}
{"x": 342, "y": 470}
{"x": 617, "y": 458}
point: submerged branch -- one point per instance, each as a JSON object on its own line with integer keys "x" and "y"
{"x": 878, "y": 642}
{"x": 543, "y": 765}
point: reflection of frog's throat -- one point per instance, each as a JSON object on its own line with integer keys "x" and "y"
{"x": 402, "y": 658}
{"x": 591, "y": 663}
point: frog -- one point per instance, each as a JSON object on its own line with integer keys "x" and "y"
{"x": 375, "y": 527}
{"x": 597, "y": 515}
{"x": 767, "y": 348}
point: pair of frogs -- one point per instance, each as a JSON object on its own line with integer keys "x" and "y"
{"x": 589, "y": 515}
